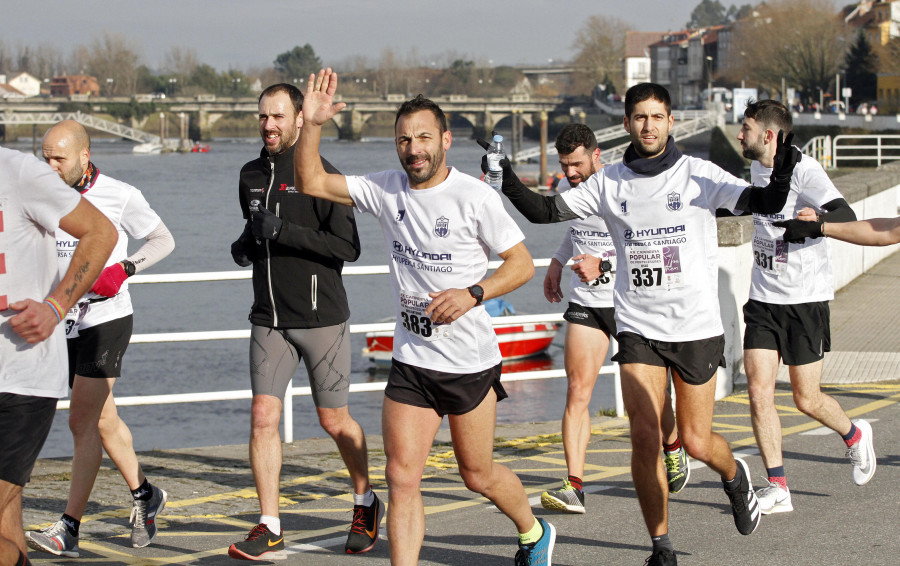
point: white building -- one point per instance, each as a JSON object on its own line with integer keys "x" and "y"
{"x": 637, "y": 55}
{"x": 24, "y": 83}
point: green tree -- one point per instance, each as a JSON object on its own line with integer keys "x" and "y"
{"x": 862, "y": 65}
{"x": 298, "y": 63}
{"x": 707, "y": 13}
{"x": 206, "y": 79}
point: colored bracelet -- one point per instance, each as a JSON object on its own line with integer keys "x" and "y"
{"x": 57, "y": 308}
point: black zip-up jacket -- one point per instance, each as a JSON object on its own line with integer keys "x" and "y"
{"x": 296, "y": 278}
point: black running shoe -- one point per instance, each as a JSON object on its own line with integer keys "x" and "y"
{"x": 744, "y": 504}
{"x": 662, "y": 557}
{"x": 260, "y": 544}
{"x": 364, "y": 529}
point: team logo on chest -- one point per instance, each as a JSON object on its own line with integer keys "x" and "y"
{"x": 442, "y": 227}
{"x": 674, "y": 201}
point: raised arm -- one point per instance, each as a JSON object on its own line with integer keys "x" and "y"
{"x": 537, "y": 209}
{"x": 318, "y": 108}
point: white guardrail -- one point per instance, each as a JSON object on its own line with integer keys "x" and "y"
{"x": 288, "y": 420}
{"x": 870, "y": 148}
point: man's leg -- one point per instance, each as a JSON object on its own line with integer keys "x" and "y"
{"x": 473, "y": 444}
{"x": 117, "y": 441}
{"x": 12, "y": 537}
{"x": 351, "y": 443}
{"x": 585, "y": 352}
{"x": 762, "y": 369}
{"x": 643, "y": 392}
{"x": 408, "y": 434}
{"x": 89, "y": 397}
{"x": 265, "y": 451}
{"x": 806, "y": 383}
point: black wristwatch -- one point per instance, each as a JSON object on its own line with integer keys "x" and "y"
{"x": 128, "y": 267}
{"x": 477, "y": 292}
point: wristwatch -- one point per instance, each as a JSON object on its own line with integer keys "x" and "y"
{"x": 129, "y": 267}
{"x": 477, "y": 292}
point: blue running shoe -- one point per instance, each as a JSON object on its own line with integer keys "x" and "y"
{"x": 538, "y": 553}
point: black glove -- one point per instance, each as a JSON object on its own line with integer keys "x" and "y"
{"x": 242, "y": 248}
{"x": 796, "y": 231}
{"x": 265, "y": 224}
{"x": 509, "y": 176}
{"x": 786, "y": 156}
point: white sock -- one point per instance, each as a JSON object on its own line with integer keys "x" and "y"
{"x": 271, "y": 523}
{"x": 365, "y": 499}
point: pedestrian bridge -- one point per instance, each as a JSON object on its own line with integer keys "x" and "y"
{"x": 86, "y": 120}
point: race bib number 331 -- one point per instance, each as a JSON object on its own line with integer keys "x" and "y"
{"x": 415, "y": 321}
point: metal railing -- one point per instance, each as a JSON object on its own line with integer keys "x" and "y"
{"x": 89, "y": 120}
{"x": 288, "y": 419}
{"x": 863, "y": 149}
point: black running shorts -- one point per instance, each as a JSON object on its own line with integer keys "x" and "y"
{"x": 446, "y": 393}
{"x": 800, "y": 333}
{"x": 24, "y": 424}
{"x": 696, "y": 361}
{"x": 97, "y": 351}
{"x": 275, "y": 355}
{"x": 601, "y": 318}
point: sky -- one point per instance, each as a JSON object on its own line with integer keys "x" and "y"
{"x": 242, "y": 34}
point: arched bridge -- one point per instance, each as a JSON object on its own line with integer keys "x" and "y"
{"x": 482, "y": 113}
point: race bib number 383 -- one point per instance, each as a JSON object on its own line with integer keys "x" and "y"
{"x": 415, "y": 321}
{"x": 655, "y": 268}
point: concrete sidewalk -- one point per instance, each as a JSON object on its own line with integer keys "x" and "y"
{"x": 212, "y": 501}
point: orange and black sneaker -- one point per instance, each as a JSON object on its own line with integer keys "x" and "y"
{"x": 260, "y": 544}
{"x": 364, "y": 530}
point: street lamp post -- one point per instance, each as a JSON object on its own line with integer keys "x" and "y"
{"x": 172, "y": 84}
{"x": 109, "y": 87}
{"x": 709, "y": 61}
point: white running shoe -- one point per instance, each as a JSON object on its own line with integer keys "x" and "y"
{"x": 862, "y": 454}
{"x": 774, "y": 499}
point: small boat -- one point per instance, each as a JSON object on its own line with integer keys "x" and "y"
{"x": 200, "y": 148}
{"x": 517, "y": 340}
{"x": 147, "y": 148}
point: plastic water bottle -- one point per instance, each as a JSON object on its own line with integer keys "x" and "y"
{"x": 495, "y": 153}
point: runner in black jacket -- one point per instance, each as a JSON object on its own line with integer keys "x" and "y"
{"x": 296, "y": 278}
{"x": 297, "y": 246}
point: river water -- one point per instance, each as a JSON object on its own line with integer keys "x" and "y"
{"x": 196, "y": 196}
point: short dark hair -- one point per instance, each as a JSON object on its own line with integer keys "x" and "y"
{"x": 293, "y": 92}
{"x": 771, "y": 114}
{"x": 646, "y": 91}
{"x": 573, "y": 136}
{"x": 421, "y": 103}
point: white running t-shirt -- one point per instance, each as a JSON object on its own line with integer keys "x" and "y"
{"x": 588, "y": 236}
{"x": 666, "y": 238}
{"x": 785, "y": 273}
{"x": 33, "y": 199}
{"x": 130, "y": 213}
{"x": 438, "y": 238}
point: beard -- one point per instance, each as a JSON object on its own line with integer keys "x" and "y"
{"x": 283, "y": 143}
{"x": 423, "y": 175}
{"x": 753, "y": 152}
{"x": 575, "y": 181}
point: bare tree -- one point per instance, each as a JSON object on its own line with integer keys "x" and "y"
{"x": 800, "y": 41}
{"x": 600, "y": 45}
{"x": 180, "y": 61}
{"x": 112, "y": 58}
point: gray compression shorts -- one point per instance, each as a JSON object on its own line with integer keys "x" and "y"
{"x": 275, "y": 355}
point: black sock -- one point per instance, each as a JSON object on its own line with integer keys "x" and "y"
{"x": 735, "y": 482}
{"x": 72, "y": 524}
{"x": 662, "y": 542}
{"x": 143, "y": 492}
{"x": 23, "y": 560}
